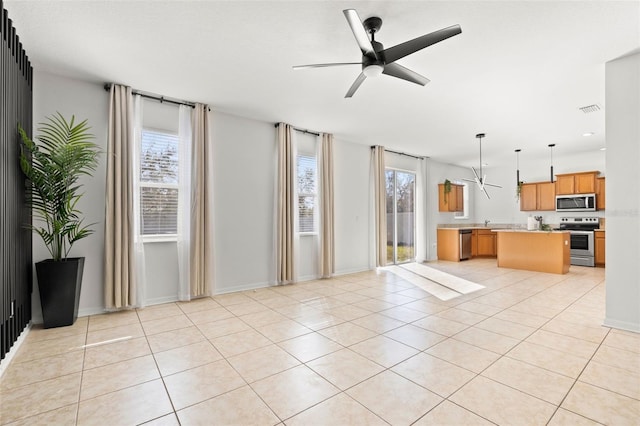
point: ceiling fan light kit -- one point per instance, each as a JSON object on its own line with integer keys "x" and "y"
{"x": 376, "y": 59}
{"x": 373, "y": 70}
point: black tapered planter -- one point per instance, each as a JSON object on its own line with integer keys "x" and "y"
{"x": 59, "y": 283}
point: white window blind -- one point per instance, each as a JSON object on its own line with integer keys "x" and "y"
{"x": 159, "y": 183}
{"x": 307, "y": 193}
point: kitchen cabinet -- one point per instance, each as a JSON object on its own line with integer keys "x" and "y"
{"x": 483, "y": 243}
{"x": 600, "y": 193}
{"x": 576, "y": 183}
{"x": 449, "y": 244}
{"x": 486, "y": 243}
{"x": 538, "y": 196}
{"x": 599, "y": 248}
{"x": 453, "y": 201}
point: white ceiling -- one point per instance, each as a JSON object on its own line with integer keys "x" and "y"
{"x": 518, "y": 72}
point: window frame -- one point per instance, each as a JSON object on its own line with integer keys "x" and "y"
{"x": 465, "y": 201}
{"x": 156, "y": 238}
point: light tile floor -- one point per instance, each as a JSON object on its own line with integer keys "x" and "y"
{"x": 366, "y": 348}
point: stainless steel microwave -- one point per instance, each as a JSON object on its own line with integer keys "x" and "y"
{"x": 576, "y": 203}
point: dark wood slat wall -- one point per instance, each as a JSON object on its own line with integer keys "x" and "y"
{"x": 16, "y": 78}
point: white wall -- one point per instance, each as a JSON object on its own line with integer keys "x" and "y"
{"x": 352, "y": 195}
{"x": 244, "y": 182}
{"x": 623, "y": 197}
{"x": 53, "y": 94}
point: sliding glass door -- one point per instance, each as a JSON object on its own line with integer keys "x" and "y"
{"x": 401, "y": 218}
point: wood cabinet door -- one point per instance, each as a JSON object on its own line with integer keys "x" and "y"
{"x": 565, "y": 185}
{"x": 448, "y": 244}
{"x": 453, "y": 201}
{"x": 486, "y": 244}
{"x": 528, "y": 197}
{"x": 600, "y": 193}
{"x": 585, "y": 183}
{"x": 600, "y": 256}
{"x": 443, "y": 205}
{"x": 546, "y": 193}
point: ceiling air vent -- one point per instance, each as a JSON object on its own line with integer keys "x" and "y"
{"x": 590, "y": 108}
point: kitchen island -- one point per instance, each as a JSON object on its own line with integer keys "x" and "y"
{"x": 541, "y": 251}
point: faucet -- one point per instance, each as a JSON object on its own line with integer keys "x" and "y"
{"x": 486, "y": 223}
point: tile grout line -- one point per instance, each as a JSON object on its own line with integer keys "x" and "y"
{"x": 577, "y": 378}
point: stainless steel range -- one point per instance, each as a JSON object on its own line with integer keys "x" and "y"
{"x": 582, "y": 238}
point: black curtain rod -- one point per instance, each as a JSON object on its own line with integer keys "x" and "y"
{"x": 402, "y": 153}
{"x": 308, "y": 132}
{"x": 159, "y": 98}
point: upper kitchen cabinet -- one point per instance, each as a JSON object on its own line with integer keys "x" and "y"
{"x": 453, "y": 201}
{"x": 576, "y": 183}
{"x": 600, "y": 193}
{"x": 538, "y": 196}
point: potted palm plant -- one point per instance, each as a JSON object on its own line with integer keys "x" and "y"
{"x": 65, "y": 151}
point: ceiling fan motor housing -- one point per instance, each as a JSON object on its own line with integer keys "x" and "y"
{"x": 369, "y": 60}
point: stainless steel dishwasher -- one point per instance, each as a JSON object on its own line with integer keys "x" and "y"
{"x": 465, "y": 244}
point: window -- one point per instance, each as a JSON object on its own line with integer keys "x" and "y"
{"x": 307, "y": 193}
{"x": 159, "y": 183}
{"x": 465, "y": 201}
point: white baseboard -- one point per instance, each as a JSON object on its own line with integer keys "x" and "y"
{"x": 4, "y": 364}
{"x": 353, "y": 271}
{"x": 161, "y": 300}
{"x": 244, "y": 287}
{"x": 622, "y": 325}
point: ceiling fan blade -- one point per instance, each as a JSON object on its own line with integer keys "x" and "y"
{"x": 355, "y": 85}
{"x": 491, "y": 184}
{"x": 335, "y": 64}
{"x": 396, "y": 52}
{"x": 475, "y": 174}
{"x": 397, "y": 70}
{"x": 359, "y": 33}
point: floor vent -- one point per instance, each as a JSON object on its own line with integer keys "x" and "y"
{"x": 590, "y": 108}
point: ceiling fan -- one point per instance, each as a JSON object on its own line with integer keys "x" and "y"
{"x": 376, "y": 59}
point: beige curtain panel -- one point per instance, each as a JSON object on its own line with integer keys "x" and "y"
{"x": 377, "y": 153}
{"x": 201, "y": 247}
{"x": 327, "y": 233}
{"x": 120, "y": 269}
{"x": 285, "y": 206}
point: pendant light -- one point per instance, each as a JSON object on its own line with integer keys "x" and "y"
{"x": 481, "y": 179}
{"x": 551, "y": 145}
{"x": 518, "y": 166}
